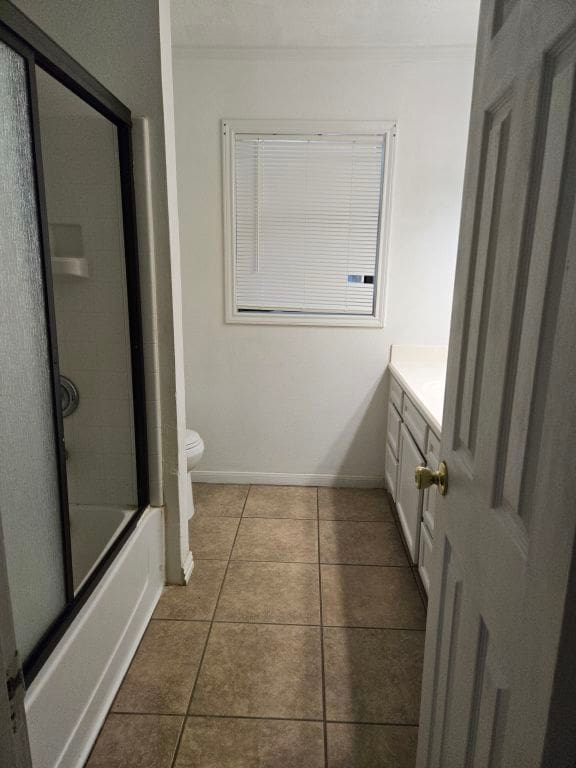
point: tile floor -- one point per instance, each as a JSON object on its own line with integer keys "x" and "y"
{"x": 297, "y": 644}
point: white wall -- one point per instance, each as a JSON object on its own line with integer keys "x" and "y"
{"x": 123, "y": 43}
{"x": 301, "y": 400}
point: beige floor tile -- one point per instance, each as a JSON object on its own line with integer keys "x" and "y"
{"x": 162, "y": 673}
{"x": 259, "y": 670}
{"x": 197, "y": 600}
{"x": 236, "y": 743}
{"x": 270, "y": 592}
{"x": 354, "y": 504}
{"x": 136, "y": 741}
{"x": 280, "y": 540}
{"x": 215, "y": 500}
{"x": 211, "y": 538}
{"x": 371, "y": 746}
{"x": 371, "y": 596}
{"x": 354, "y": 543}
{"x": 281, "y": 501}
{"x": 373, "y": 675}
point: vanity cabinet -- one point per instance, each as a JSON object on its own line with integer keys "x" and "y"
{"x": 411, "y": 441}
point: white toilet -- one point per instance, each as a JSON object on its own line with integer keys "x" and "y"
{"x": 194, "y": 452}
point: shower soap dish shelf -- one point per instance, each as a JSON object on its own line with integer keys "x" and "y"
{"x": 73, "y": 266}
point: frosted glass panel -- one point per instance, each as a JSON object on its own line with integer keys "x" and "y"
{"x": 29, "y": 499}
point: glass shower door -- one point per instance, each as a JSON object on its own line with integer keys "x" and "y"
{"x": 30, "y": 489}
{"x": 70, "y": 327}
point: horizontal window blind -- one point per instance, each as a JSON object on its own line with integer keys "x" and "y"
{"x": 307, "y": 218}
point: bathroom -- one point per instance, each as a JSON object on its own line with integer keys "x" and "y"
{"x": 254, "y": 246}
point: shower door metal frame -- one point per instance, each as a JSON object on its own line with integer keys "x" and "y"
{"x": 38, "y": 49}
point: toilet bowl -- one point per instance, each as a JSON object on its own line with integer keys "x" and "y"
{"x": 194, "y": 447}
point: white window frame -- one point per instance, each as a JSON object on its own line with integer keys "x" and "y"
{"x": 230, "y": 128}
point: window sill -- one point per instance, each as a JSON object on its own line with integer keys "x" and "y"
{"x": 343, "y": 321}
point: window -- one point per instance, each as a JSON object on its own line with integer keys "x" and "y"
{"x": 306, "y": 218}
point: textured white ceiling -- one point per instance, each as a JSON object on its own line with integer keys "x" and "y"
{"x": 323, "y": 23}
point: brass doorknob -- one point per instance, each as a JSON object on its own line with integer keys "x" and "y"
{"x": 425, "y": 477}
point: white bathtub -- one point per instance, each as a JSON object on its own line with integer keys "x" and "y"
{"x": 67, "y": 702}
{"x": 92, "y": 531}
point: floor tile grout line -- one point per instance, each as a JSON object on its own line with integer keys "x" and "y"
{"x": 200, "y": 663}
{"x": 304, "y": 562}
{"x": 322, "y": 663}
{"x": 300, "y": 562}
{"x": 376, "y": 723}
{"x": 364, "y": 565}
{"x": 181, "y": 734}
{"x": 294, "y": 624}
{"x": 372, "y": 722}
{"x": 244, "y": 505}
{"x": 205, "y": 516}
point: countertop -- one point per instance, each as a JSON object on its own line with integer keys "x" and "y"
{"x": 421, "y": 371}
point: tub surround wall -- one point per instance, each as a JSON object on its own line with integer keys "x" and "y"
{"x": 307, "y": 404}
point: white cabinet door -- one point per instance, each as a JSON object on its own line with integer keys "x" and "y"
{"x": 409, "y": 498}
{"x": 430, "y": 495}
{"x": 391, "y": 471}
{"x": 394, "y": 421}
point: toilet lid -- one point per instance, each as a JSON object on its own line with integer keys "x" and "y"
{"x": 192, "y": 438}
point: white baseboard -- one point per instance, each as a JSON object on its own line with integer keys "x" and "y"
{"x": 187, "y": 568}
{"x": 276, "y": 478}
{"x": 68, "y": 701}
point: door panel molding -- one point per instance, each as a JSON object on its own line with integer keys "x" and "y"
{"x": 484, "y": 252}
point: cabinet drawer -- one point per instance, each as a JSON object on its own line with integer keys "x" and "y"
{"x": 396, "y": 394}
{"x": 394, "y": 421}
{"x": 391, "y": 471}
{"x": 415, "y": 423}
{"x": 425, "y": 556}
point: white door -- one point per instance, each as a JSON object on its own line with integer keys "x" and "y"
{"x": 499, "y": 670}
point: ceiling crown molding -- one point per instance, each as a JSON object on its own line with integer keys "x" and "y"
{"x": 396, "y": 54}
